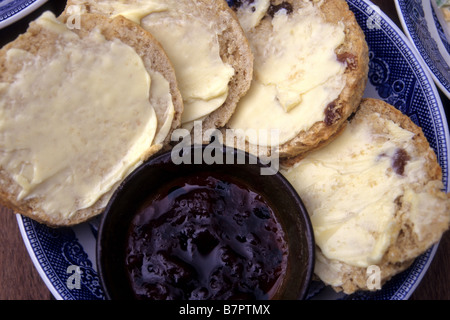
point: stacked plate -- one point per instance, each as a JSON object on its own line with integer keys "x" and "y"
{"x": 430, "y": 37}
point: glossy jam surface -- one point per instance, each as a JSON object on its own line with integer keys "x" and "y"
{"x": 205, "y": 237}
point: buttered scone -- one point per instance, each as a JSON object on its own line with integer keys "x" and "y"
{"x": 79, "y": 110}
{"x": 203, "y": 39}
{"x": 374, "y": 195}
{"x": 310, "y": 71}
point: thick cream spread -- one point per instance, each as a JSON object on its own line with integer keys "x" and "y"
{"x": 68, "y": 133}
{"x": 192, "y": 45}
{"x": 296, "y": 71}
{"x": 161, "y": 100}
{"x": 351, "y": 188}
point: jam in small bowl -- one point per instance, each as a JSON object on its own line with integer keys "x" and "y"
{"x": 198, "y": 231}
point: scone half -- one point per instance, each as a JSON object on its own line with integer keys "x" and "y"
{"x": 375, "y": 197}
{"x": 204, "y": 40}
{"x": 80, "y": 109}
{"x": 310, "y": 72}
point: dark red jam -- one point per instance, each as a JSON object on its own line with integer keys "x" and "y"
{"x": 204, "y": 237}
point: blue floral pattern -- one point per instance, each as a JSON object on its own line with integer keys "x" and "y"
{"x": 440, "y": 31}
{"x": 55, "y": 250}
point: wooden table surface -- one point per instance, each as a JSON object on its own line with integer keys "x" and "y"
{"x": 19, "y": 279}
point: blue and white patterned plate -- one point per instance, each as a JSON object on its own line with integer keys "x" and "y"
{"x": 396, "y": 75}
{"x": 423, "y": 28}
{"x": 13, "y": 10}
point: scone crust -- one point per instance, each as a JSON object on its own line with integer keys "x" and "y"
{"x": 39, "y": 41}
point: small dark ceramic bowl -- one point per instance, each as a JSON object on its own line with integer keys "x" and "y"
{"x": 148, "y": 178}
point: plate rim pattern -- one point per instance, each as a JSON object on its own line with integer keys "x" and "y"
{"x": 15, "y": 10}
